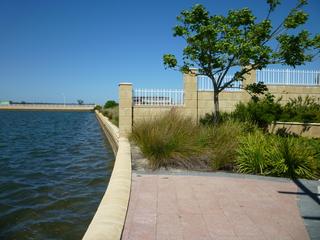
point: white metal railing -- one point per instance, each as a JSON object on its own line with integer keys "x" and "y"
{"x": 205, "y": 83}
{"x": 289, "y": 77}
{"x": 158, "y": 97}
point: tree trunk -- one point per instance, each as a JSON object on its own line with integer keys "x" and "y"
{"x": 216, "y": 107}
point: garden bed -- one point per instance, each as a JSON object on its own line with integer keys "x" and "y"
{"x": 174, "y": 141}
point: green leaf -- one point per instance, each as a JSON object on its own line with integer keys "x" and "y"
{"x": 169, "y": 61}
{"x": 295, "y": 19}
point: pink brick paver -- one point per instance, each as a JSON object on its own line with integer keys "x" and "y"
{"x": 209, "y": 207}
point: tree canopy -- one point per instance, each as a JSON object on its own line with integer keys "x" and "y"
{"x": 110, "y": 104}
{"x": 215, "y": 43}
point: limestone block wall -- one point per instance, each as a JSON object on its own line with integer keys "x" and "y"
{"x": 227, "y": 101}
{"x": 309, "y": 130}
{"x": 287, "y": 92}
{"x": 198, "y": 103}
{"x": 141, "y": 113}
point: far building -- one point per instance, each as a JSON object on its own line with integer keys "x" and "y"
{"x": 5, "y": 102}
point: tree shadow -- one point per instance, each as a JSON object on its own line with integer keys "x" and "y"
{"x": 305, "y": 191}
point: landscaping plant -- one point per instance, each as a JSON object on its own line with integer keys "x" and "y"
{"x": 220, "y": 142}
{"x": 261, "y": 112}
{"x": 277, "y": 156}
{"x": 112, "y": 113}
{"x": 292, "y": 157}
{"x": 252, "y": 154}
{"x": 301, "y": 110}
{"x": 169, "y": 140}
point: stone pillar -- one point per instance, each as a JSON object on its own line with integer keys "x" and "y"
{"x": 191, "y": 94}
{"x": 125, "y": 109}
{"x": 249, "y": 78}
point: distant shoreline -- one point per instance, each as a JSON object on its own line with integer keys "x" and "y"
{"x": 46, "y": 107}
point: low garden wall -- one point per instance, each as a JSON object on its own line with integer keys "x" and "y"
{"x": 227, "y": 101}
{"x": 287, "y": 92}
{"x": 311, "y": 130}
{"x": 109, "y": 219}
{"x": 149, "y": 112}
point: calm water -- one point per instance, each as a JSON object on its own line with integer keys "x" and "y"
{"x": 54, "y": 169}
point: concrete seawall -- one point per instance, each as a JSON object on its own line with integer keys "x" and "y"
{"x": 47, "y": 107}
{"x": 108, "y": 221}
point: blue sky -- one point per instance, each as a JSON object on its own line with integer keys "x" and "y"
{"x": 82, "y": 49}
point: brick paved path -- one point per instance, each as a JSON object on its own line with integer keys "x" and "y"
{"x": 208, "y": 207}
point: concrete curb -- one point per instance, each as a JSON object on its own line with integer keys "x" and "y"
{"x": 108, "y": 222}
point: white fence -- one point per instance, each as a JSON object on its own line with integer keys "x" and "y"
{"x": 158, "y": 97}
{"x": 205, "y": 83}
{"x": 288, "y": 77}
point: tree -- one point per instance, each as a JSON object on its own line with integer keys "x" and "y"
{"x": 110, "y": 104}
{"x": 216, "y": 44}
{"x": 256, "y": 89}
{"x": 80, "y": 102}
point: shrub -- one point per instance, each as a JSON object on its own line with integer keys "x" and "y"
{"x": 169, "y": 140}
{"x": 97, "y": 107}
{"x": 260, "y": 112}
{"x": 301, "y": 110}
{"x": 208, "y": 119}
{"x": 110, "y": 104}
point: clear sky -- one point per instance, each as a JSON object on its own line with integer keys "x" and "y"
{"x": 82, "y": 49}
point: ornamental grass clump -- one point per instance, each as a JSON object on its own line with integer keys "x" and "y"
{"x": 272, "y": 155}
{"x": 252, "y": 154}
{"x": 220, "y": 142}
{"x": 169, "y": 141}
{"x": 292, "y": 157}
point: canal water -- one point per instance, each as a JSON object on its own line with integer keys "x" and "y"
{"x": 54, "y": 170}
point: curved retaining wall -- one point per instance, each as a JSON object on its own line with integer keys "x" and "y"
{"x": 109, "y": 219}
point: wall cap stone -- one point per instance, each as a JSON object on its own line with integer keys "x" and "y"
{"x": 292, "y": 85}
{"x": 125, "y": 83}
{"x": 299, "y": 123}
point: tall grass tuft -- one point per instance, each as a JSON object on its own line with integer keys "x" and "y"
{"x": 221, "y": 142}
{"x": 168, "y": 141}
